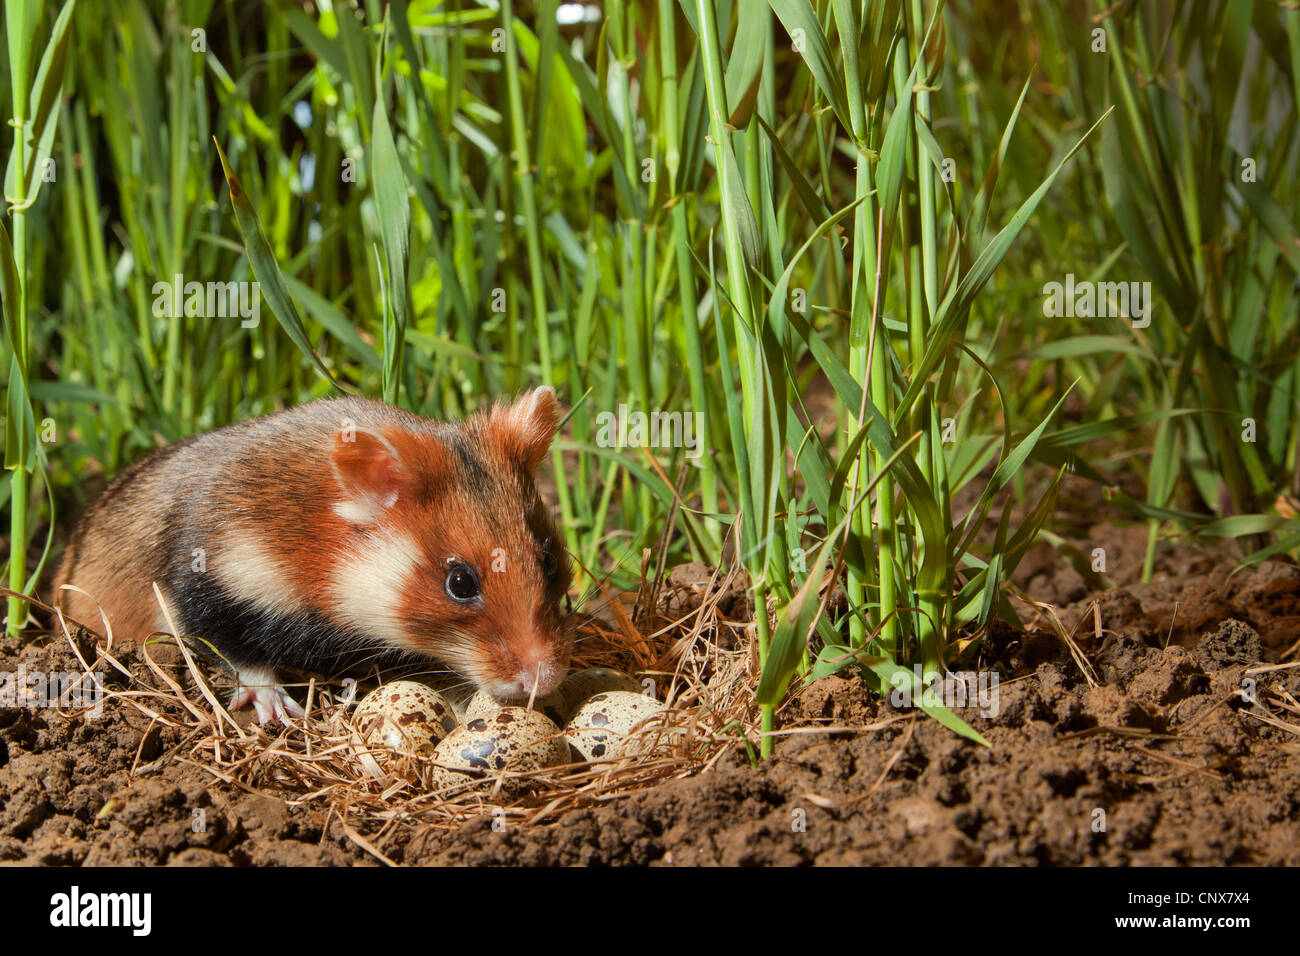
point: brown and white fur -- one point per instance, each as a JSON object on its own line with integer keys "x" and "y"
{"x": 325, "y": 537}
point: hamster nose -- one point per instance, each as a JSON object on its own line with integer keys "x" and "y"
{"x": 545, "y": 676}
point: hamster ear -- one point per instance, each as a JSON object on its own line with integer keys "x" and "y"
{"x": 523, "y": 430}
{"x": 369, "y": 472}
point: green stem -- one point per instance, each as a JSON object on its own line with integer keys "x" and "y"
{"x": 863, "y": 278}
{"x": 16, "y": 13}
{"x": 523, "y": 167}
{"x": 924, "y": 301}
{"x": 694, "y": 357}
{"x": 742, "y": 302}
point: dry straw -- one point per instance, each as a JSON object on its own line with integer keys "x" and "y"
{"x": 703, "y": 661}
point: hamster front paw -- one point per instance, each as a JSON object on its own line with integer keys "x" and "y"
{"x": 258, "y": 687}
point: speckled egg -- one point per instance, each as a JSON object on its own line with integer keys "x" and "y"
{"x": 508, "y": 738}
{"x": 405, "y": 716}
{"x": 552, "y": 705}
{"x": 580, "y": 686}
{"x": 599, "y": 729}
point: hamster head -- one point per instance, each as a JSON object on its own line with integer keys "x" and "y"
{"x": 448, "y": 536}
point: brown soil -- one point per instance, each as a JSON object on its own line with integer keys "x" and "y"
{"x": 1158, "y": 759}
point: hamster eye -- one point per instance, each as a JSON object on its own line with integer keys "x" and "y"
{"x": 462, "y": 583}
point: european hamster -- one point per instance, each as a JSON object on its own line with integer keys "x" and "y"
{"x": 339, "y": 533}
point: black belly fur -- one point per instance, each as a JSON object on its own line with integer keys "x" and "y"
{"x": 247, "y": 636}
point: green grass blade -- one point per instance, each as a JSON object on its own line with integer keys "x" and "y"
{"x": 261, "y": 260}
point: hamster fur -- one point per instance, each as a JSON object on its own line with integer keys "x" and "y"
{"x": 339, "y": 533}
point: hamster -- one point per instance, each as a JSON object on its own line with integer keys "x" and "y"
{"x": 336, "y": 534}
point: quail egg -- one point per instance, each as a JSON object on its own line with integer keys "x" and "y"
{"x": 506, "y": 739}
{"x": 600, "y": 728}
{"x": 579, "y": 686}
{"x": 552, "y": 705}
{"x": 405, "y": 716}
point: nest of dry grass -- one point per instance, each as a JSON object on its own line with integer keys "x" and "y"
{"x": 692, "y": 639}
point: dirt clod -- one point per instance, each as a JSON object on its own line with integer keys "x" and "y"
{"x": 1235, "y": 642}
